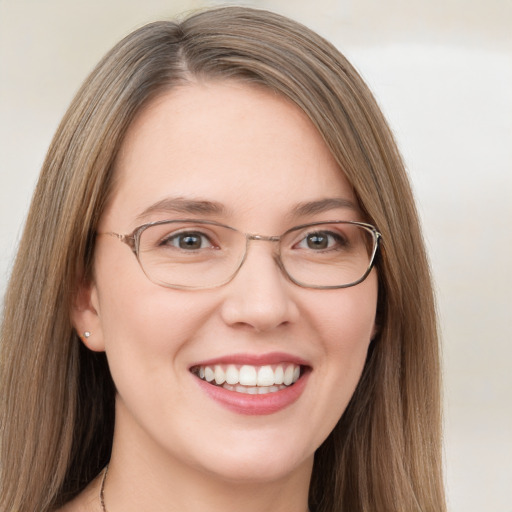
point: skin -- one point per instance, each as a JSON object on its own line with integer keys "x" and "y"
{"x": 174, "y": 447}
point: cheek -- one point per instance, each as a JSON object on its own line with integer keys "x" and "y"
{"x": 147, "y": 332}
{"x": 140, "y": 321}
{"x": 346, "y": 317}
{"x": 148, "y": 325}
{"x": 344, "y": 321}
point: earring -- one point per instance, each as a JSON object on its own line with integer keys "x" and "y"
{"x": 86, "y": 334}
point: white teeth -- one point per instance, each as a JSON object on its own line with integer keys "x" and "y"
{"x": 251, "y": 379}
{"x": 220, "y": 376}
{"x": 248, "y": 375}
{"x": 269, "y": 389}
{"x": 279, "y": 375}
{"x": 232, "y": 374}
{"x": 288, "y": 375}
{"x": 265, "y": 376}
{"x": 263, "y": 390}
{"x": 208, "y": 374}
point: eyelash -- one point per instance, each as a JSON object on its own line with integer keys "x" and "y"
{"x": 183, "y": 234}
{"x": 337, "y": 239}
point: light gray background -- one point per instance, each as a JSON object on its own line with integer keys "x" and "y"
{"x": 442, "y": 72}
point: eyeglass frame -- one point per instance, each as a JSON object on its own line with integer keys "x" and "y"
{"x": 132, "y": 240}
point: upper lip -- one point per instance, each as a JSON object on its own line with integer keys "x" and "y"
{"x": 254, "y": 359}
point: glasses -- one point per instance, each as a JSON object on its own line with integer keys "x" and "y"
{"x": 199, "y": 254}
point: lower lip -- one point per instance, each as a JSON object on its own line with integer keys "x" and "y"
{"x": 243, "y": 403}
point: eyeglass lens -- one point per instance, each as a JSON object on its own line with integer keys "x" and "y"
{"x": 190, "y": 254}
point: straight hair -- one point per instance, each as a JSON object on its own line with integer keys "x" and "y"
{"x": 57, "y": 398}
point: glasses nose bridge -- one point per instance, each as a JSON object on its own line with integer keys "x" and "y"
{"x": 276, "y": 239}
{"x": 263, "y": 238}
{"x": 249, "y": 237}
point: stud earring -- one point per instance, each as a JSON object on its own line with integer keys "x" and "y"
{"x": 87, "y": 334}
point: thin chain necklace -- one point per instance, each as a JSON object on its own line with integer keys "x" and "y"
{"x": 102, "y": 488}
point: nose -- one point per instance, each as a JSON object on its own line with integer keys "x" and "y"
{"x": 259, "y": 297}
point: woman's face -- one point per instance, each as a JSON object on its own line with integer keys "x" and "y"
{"x": 248, "y": 158}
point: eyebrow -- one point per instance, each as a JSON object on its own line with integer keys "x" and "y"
{"x": 323, "y": 205}
{"x": 205, "y": 207}
{"x": 185, "y": 206}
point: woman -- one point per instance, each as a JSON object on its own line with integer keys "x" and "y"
{"x": 223, "y": 248}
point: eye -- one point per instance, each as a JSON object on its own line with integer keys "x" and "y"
{"x": 187, "y": 240}
{"x": 321, "y": 241}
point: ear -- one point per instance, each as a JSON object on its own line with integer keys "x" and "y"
{"x": 86, "y": 318}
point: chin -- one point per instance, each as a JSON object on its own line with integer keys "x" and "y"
{"x": 258, "y": 471}
{"x": 262, "y": 459}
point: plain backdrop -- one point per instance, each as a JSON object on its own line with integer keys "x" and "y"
{"x": 442, "y": 72}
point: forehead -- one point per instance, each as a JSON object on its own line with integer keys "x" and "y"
{"x": 241, "y": 146}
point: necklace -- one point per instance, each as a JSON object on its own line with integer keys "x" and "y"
{"x": 102, "y": 488}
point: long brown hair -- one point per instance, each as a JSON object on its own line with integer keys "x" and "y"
{"x": 56, "y": 400}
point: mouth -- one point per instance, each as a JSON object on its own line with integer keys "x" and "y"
{"x": 251, "y": 379}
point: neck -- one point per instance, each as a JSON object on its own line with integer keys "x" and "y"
{"x": 170, "y": 492}
{"x": 144, "y": 477}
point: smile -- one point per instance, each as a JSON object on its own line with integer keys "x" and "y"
{"x": 250, "y": 379}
